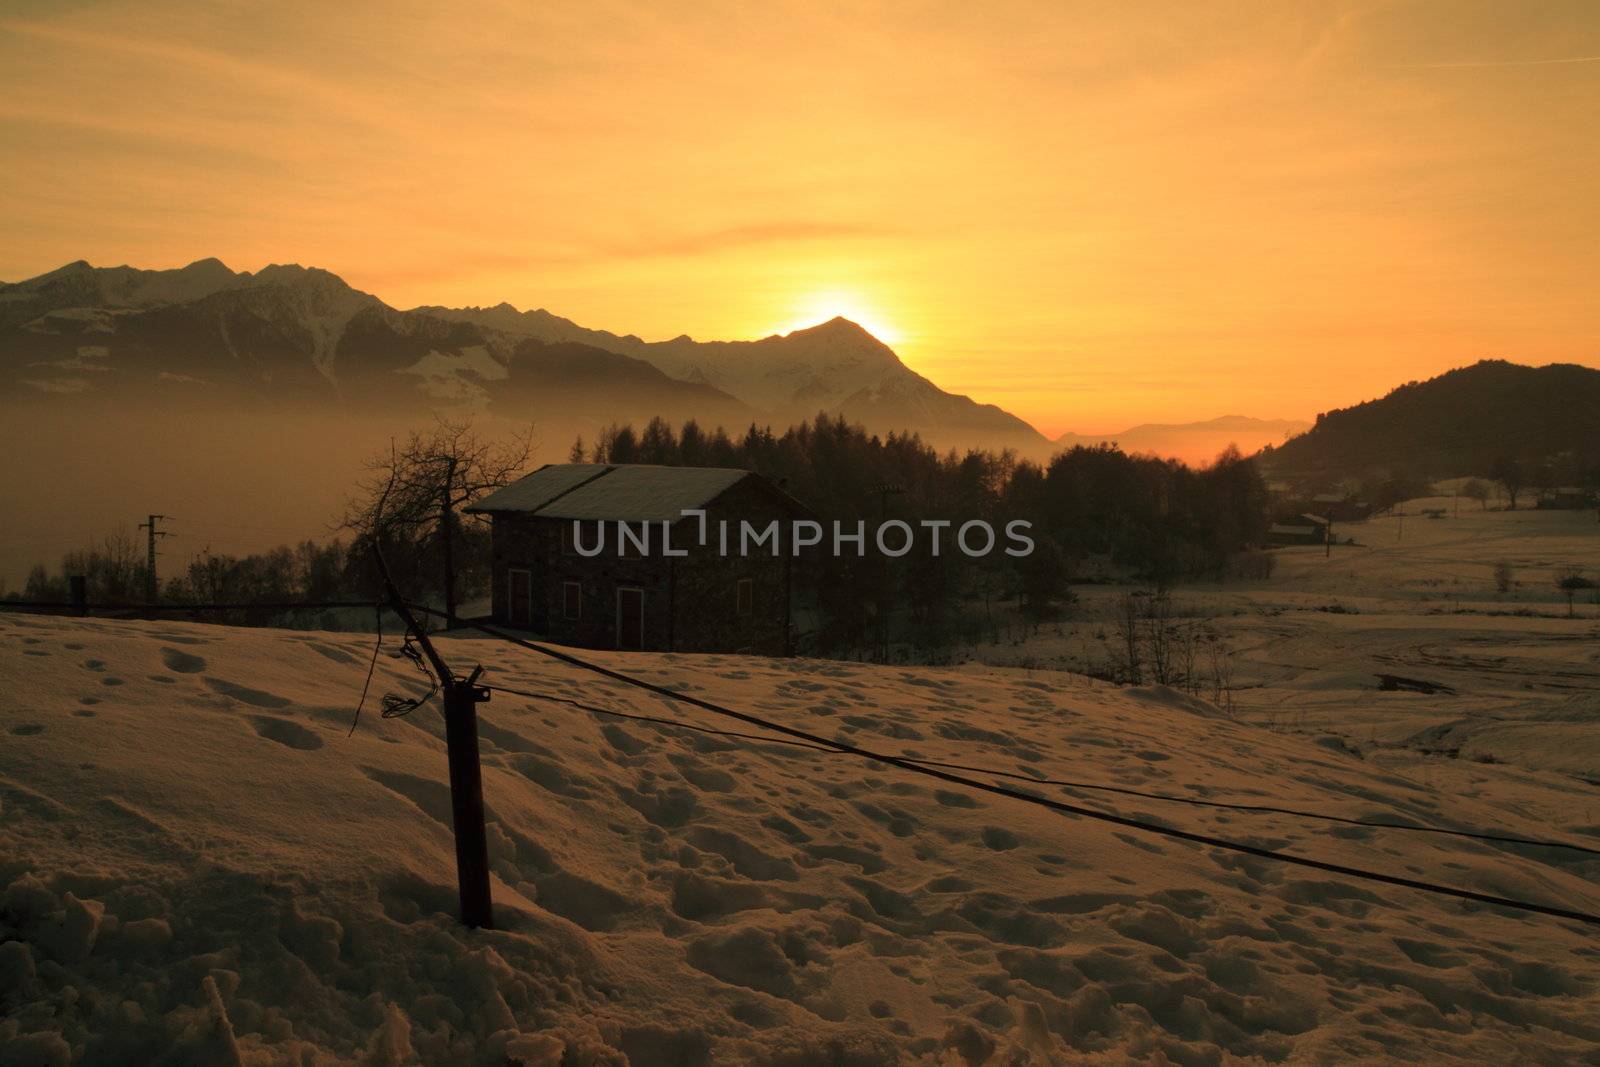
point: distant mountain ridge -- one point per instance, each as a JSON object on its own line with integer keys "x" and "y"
{"x": 301, "y": 334}
{"x": 1194, "y": 442}
{"x": 835, "y": 366}
{"x": 1459, "y": 423}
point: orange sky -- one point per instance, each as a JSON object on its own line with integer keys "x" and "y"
{"x": 1093, "y": 214}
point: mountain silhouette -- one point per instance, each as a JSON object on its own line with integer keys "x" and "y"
{"x": 1193, "y": 442}
{"x": 1459, "y": 423}
{"x": 835, "y": 366}
{"x": 300, "y": 335}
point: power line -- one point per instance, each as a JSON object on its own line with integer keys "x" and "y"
{"x": 1089, "y": 786}
{"x": 1045, "y": 802}
{"x": 265, "y": 605}
{"x": 661, "y": 720}
{"x": 371, "y": 669}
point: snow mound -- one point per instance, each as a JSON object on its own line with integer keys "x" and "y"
{"x": 198, "y": 864}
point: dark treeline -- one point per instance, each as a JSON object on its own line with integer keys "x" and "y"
{"x": 1094, "y": 513}
{"x": 114, "y": 572}
{"x": 1153, "y": 519}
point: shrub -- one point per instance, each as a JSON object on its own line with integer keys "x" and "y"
{"x": 1504, "y": 577}
{"x": 1251, "y": 565}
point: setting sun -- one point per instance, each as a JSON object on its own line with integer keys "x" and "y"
{"x": 832, "y": 304}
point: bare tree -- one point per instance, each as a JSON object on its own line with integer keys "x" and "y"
{"x": 417, "y": 488}
{"x": 1476, "y": 489}
{"x": 1220, "y": 655}
{"x": 1570, "y": 580}
{"x": 1159, "y": 638}
{"x": 1509, "y": 472}
{"x": 1127, "y": 623}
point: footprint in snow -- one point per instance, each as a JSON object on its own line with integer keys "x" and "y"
{"x": 244, "y": 694}
{"x": 286, "y": 732}
{"x": 182, "y": 662}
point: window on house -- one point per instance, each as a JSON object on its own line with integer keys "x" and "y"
{"x": 745, "y": 596}
{"x": 572, "y": 600}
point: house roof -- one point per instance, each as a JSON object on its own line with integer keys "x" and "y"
{"x": 634, "y": 492}
{"x": 533, "y": 491}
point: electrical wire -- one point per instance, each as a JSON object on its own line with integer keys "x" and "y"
{"x": 1049, "y": 803}
{"x": 371, "y": 668}
{"x": 396, "y": 706}
{"x": 1097, "y": 787}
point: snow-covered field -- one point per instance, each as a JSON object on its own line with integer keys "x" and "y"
{"x": 1416, "y": 597}
{"x": 198, "y": 866}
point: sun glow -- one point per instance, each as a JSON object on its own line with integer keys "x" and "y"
{"x": 821, "y": 306}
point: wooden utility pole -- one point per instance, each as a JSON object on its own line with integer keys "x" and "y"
{"x": 152, "y": 588}
{"x": 461, "y": 699}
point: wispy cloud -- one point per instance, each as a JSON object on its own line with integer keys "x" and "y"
{"x": 1467, "y": 65}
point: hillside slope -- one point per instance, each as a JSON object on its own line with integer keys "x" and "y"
{"x": 202, "y": 867}
{"x": 1457, "y": 424}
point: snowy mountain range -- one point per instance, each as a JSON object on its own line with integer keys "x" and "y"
{"x": 301, "y": 335}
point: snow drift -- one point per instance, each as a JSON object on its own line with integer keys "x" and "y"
{"x": 199, "y": 866}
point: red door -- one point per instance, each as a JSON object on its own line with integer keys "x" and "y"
{"x": 630, "y": 618}
{"x": 521, "y": 599}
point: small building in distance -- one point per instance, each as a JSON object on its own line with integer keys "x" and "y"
{"x": 1568, "y": 498}
{"x": 1339, "y": 507}
{"x": 1299, "y": 530}
{"x": 628, "y": 597}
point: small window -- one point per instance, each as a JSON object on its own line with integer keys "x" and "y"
{"x": 745, "y": 596}
{"x": 572, "y": 600}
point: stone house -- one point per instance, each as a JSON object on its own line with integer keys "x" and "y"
{"x": 1304, "y": 529}
{"x": 602, "y": 556}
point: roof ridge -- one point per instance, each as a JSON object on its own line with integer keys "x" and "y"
{"x": 587, "y": 481}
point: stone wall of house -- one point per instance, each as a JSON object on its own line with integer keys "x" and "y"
{"x": 707, "y": 581}
{"x": 690, "y": 602}
{"x": 536, "y": 545}
{"x": 520, "y": 543}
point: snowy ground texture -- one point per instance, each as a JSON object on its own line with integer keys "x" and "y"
{"x": 197, "y": 866}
